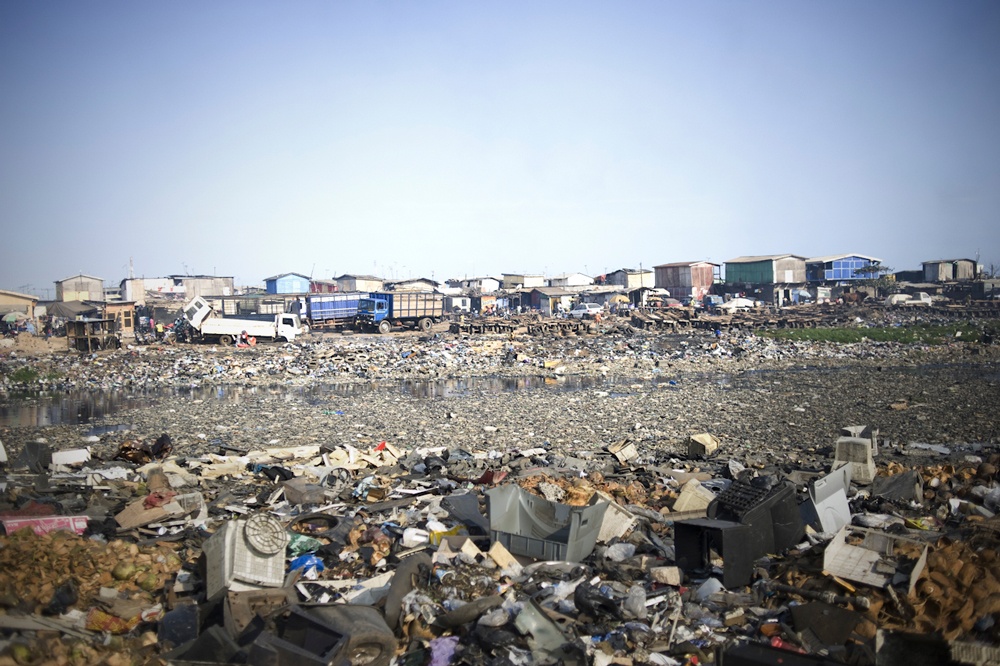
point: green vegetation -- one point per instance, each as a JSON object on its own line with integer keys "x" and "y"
{"x": 24, "y": 375}
{"x": 920, "y": 333}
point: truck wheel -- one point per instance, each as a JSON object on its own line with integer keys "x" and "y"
{"x": 384, "y": 326}
{"x": 225, "y": 340}
{"x": 425, "y": 324}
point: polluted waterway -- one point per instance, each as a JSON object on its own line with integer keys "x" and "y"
{"x": 82, "y": 407}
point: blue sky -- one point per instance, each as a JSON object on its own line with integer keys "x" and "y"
{"x": 451, "y": 139}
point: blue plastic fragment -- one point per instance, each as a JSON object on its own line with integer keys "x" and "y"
{"x": 306, "y": 562}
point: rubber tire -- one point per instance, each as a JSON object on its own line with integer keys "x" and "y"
{"x": 225, "y": 340}
{"x": 384, "y": 326}
{"x": 425, "y": 324}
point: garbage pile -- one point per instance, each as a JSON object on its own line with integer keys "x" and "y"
{"x": 379, "y": 554}
{"x": 341, "y": 359}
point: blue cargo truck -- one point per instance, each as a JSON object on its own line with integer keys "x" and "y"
{"x": 333, "y": 311}
{"x": 383, "y": 311}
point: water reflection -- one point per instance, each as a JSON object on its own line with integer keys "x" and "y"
{"x": 76, "y": 407}
{"x": 70, "y": 407}
{"x": 457, "y": 388}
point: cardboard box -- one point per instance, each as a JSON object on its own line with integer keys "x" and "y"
{"x": 46, "y": 524}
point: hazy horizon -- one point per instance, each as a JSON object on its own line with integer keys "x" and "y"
{"x": 447, "y": 140}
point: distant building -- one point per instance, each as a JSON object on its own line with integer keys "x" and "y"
{"x": 348, "y": 282}
{"x": 12, "y": 301}
{"x": 839, "y": 267}
{"x": 908, "y": 276}
{"x": 770, "y": 278}
{"x": 323, "y": 287}
{"x": 687, "y": 278}
{"x": 570, "y": 280}
{"x": 949, "y": 270}
{"x": 287, "y": 283}
{"x": 631, "y": 278}
{"x": 605, "y": 294}
{"x": 548, "y": 300}
{"x": 80, "y": 288}
{"x": 180, "y": 287}
{"x": 414, "y": 284}
{"x": 139, "y": 289}
{"x": 522, "y": 280}
{"x": 766, "y": 269}
{"x": 123, "y": 312}
{"x": 481, "y": 285}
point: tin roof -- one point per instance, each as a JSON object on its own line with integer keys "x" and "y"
{"x": 679, "y": 264}
{"x": 763, "y": 257}
{"x": 835, "y": 257}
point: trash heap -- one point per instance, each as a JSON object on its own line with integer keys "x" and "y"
{"x": 338, "y": 554}
{"x": 329, "y": 358}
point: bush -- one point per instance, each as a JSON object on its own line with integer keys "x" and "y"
{"x": 24, "y": 375}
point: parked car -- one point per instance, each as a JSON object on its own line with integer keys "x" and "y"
{"x": 585, "y": 310}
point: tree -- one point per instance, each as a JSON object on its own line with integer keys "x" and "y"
{"x": 877, "y": 278}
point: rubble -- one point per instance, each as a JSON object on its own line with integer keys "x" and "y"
{"x": 469, "y": 524}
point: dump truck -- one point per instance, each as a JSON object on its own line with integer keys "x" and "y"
{"x": 382, "y": 311}
{"x": 211, "y": 326}
{"x": 333, "y": 311}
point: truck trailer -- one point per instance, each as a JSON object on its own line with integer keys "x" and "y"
{"x": 381, "y": 311}
{"x": 333, "y": 311}
{"x": 209, "y": 325}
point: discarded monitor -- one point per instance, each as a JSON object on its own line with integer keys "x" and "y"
{"x": 856, "y": 452}
{"x": 746, "y": 521}
{"x": 702, "y": 445}
{"x": 827, "y": 507}
{"x": 864, "y": 432}
{"x": 532, "y": 526}
{"x": 294, "y": 638}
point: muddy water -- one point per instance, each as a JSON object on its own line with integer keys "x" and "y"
{"x": 81, "y": 407}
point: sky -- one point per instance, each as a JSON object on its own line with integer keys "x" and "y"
{"x": 459, "y": 139}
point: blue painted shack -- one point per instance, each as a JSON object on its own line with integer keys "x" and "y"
{"x": 287, "y": 283}
{"x": 839, "y": 267}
